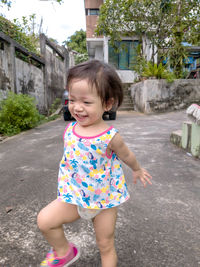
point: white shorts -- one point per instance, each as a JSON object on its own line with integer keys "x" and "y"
{"x": 87, "y": 214}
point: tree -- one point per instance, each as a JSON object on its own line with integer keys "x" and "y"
{"x": 166, "y": 24}
{"x": 6, "y": 2}
{"x": 21, "y": 32}
{"x": 25, "y": 31}
{"x": 77, "y": 42}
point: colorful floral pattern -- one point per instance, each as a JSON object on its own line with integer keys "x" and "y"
{"x": 88, "y": 176}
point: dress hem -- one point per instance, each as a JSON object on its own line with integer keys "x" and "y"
{"x": 104, "y": 208}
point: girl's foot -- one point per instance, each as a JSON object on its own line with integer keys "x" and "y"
{"x": 52, "y": 260}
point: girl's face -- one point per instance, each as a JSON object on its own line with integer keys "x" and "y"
{"x": 84, "y": 103}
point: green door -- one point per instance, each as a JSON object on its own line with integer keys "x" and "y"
{"x": 123, "y": 55}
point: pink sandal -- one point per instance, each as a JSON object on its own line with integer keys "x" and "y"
{"x": 52, "y": 260}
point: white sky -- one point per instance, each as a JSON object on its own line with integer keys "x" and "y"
{"x": 59, "y": 21}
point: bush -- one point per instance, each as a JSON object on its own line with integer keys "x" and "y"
{"x": 18, "y": 113}
{"x": 79, "y": 58}
{"x": 157, "y": 71}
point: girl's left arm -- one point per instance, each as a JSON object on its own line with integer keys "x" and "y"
{"x": 128, "y": 157}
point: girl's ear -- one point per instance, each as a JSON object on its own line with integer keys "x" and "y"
{"x": 109, "y": 104}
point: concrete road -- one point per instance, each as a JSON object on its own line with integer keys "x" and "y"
{"x": 158, "y": 227}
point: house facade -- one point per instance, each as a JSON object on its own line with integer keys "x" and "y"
{"x": 99, "y": 47}
{"x": 124, "y": 61}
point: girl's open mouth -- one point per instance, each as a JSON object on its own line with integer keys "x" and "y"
{"x": 81, "y": 117}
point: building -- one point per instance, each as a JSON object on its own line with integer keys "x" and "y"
{"x": 99, "y": 48}
{"x": 94, "y": 44}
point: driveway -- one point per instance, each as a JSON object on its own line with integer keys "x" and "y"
{"x": 158, "y": 227}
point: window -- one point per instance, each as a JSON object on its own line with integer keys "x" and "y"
{"x": 94, "y": 12}
{"x": 125, "y": 58}
{"x": 91, "y": 12}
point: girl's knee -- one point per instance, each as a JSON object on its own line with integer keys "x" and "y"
{"x": 42, "y": 221}
{"x": 105, "y": 245}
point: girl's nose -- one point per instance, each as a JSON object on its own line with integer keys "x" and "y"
{"x": 78, "y": 107}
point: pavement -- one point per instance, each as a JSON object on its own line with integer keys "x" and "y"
{"x": 158, "y": 227}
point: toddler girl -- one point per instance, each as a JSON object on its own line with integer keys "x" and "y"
{"x": 91, "y": 182}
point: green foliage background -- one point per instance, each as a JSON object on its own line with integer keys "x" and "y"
{"x": 77, "y": 42}
{"x": 165, "y": 23}
{"x": 17, "y": 33}
{"x": 18, "y": 113}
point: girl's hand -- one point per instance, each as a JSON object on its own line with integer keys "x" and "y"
{"x": 143, "y": 175}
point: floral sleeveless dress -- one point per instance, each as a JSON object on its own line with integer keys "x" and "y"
{"x": 88, "y": 176}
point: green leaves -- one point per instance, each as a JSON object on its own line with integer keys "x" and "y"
{"x": 18, "y": 113}
{"x": 157, "y": 71}
{"x": 20, "y": 33}
{"x": 81, "y": 58}
{"x": 77, "y": 42}
{"x": 6, "y": 2}
{"x": 158, "y": 21}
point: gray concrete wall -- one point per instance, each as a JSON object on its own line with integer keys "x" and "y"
{"x": 54, "y": 77}
{"x": 46, "y": 82}
{"x": 30, "y": 80}
{"x": 151, "y": 96}
{"x": 99, "y": 53}
{"x": 6, "y": 71}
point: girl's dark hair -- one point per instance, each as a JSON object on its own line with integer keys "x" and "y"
{"x": 102, "y": 76}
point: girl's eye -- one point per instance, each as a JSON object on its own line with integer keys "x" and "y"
{"x": 87, "y": 103}
{"x": 71, "y": 100}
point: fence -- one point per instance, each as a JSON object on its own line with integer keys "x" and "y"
{"x": 43, "y": 77}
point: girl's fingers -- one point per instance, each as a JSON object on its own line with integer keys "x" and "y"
{"x": 147, "y": 177}
{"x": 147, "y": 174}
{"x": 144, "y": 178}
{"x": 148, "y": 181}
{"x": 143, "y": 181}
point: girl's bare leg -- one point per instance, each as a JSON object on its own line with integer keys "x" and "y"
{"x": 50, "y": 221}
{"x": 104, "y": 225}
